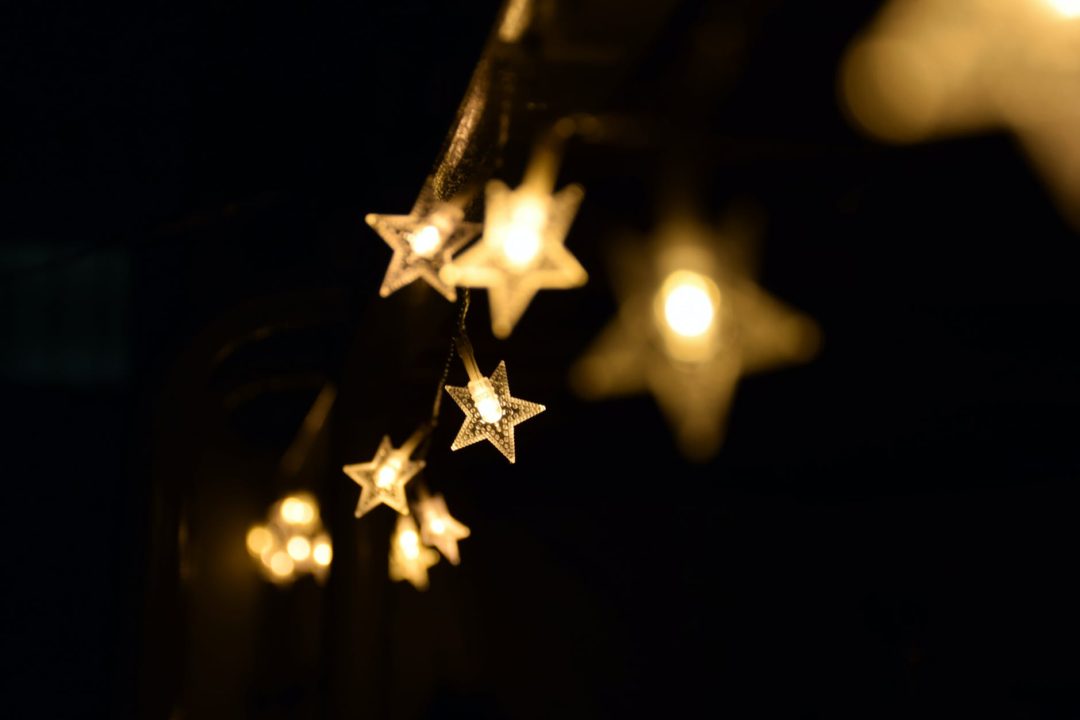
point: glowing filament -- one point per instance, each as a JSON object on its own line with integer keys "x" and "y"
{"x": 485, "y": 400}
{"x": 689, "y": 309}
{"x": 521, "y": 239}
{"x": 425, "y": 241}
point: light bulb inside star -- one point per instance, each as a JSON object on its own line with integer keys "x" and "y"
{"x": 425, "y": 241}
{"x": 689, "y": 309}
{"x": 521, "y": 238}
{"x": 487, "y": 403}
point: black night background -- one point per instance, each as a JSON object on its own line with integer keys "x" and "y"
{"x": 888, "y": 530}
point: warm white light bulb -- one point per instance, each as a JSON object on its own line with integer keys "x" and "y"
{"x": 1066, "y": 8}
{"x": 485, "y": 400}
{"x": 387, "y": 474}
{"x": 296, "y": 511}
{"x": 688, "y": 305}
{"x": 322, "y": 554}
{"x": 281, "y": 564}
{"x": 437, "y": 526}
{"x": 521, "y": 238}
{"x": 425, "y": 241}
{"x": 259, "y": 540}
{"x": 410, "y": 543}
{"x": 299, "y": 548}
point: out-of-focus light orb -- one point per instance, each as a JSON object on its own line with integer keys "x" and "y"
{"x": 299, "y": 548}
{"x": 437, "y": 525}
{"x": 281, "y": 564}
{"x": 297, "y": 511}
{"x": 322, "y": 554}
{"x": 409, "y": 560}
{"x": 689, "y": 309}
{"x": 259, "y": 540}
{"x": 1067, "y": 8}
{"x": 425, "y": 241}
{"x": 521, "y": 238}
{"x": 410, "y": 544}
{"x": 292, "y": 543}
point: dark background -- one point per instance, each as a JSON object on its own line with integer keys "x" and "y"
{"x": 888, "y": 531}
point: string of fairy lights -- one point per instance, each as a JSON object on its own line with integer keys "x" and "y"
{"x": 691, "y": 319}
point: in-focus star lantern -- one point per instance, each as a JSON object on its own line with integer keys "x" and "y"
{"x": 409, "y": 559}
{"x": 690, "y": 324}
{"x": 490, "y": 412}
{"x": 423, "y": 241}
{"x": 438, "y": 528}
{"x": 522, "y": 250}
{"x": 382, "y": 480}
{"x": 932, "y": 68}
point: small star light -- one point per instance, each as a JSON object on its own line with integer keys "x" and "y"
{"x": 438, "y": 528}
{"x": 490, "y": 412}
{"x": 688, "y": 327}
{"x": 383, "y": 479}
{"x": 423, "y": 241}
{"x": 931, "y": 68}
{"x": 409, "y": 560}
{"x": 522, "y": 249}
{"x": 292, "y": 542}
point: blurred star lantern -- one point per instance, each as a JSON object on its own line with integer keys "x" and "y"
{"x": 933, "y": 68}
{"x": 522, "y": 250}
{"x": 690, "y": 323}
{"x": 409, "y": 559}
{"x": 292, "y": 542}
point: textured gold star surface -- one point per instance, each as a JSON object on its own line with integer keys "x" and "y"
{"x": 926, "y": 69}
{"x": 522, "y": 251}
{"x": 409, "y": 560}
{"x": 423, "y": 242}
{"x": 500, "y": 432}
{"x": 382, "y": 480}
{"x": 438, "y": 528}
{"x": 690, "y": 324}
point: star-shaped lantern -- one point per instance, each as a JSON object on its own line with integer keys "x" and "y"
{"x": 689, "y": 325}
{"x": 423, "y": 241}
{"x": 409, "y": 560}
{"x": 931, "y": 68}
{"x": 490, "y": 412}
{"x": 382, "y": 480}
{"x": 438, "y": 528}
{"x": 522, "y": 249}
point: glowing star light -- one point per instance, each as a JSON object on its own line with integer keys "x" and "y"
{"x": 688, "y": 327}
{"x": 292, "y": 542}
{"x": 522, "y": 249}
{"x": 383, "y": 479}
{"x": 933, "y": 68}
{"x": 490, "y": 412}
{"x": 438, "y": 528}
{"x": 423, "y": 241}
{"x": 409, "y": 560}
